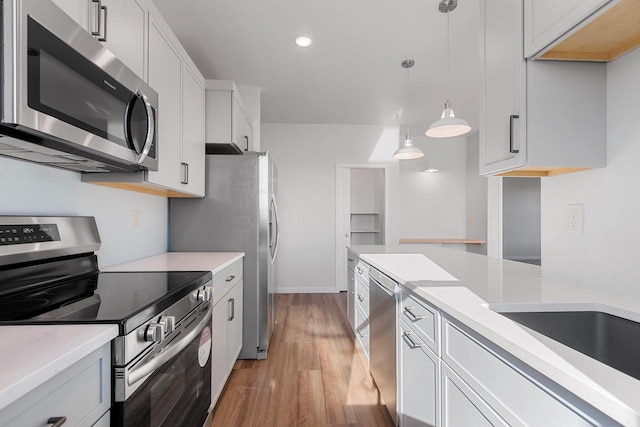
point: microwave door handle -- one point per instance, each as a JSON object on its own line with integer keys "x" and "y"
{"x": 168, "y": 353}
{"x": 151, "y": 125}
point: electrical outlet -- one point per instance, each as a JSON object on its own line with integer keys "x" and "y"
{"x": 136, "y": 218}
{"x": 575, "y": 218}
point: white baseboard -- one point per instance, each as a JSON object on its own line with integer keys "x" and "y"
{"x": 301, "y": 290}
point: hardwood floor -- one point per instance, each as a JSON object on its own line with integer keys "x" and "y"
{"x": 315, "y": 375}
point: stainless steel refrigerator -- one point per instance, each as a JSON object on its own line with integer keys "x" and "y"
{"x": 238, "y": 214}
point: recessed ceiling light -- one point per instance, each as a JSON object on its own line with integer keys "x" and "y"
{"x": 304, "y": 40}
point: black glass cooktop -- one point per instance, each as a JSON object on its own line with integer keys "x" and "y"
{"x": 128, "y": 299}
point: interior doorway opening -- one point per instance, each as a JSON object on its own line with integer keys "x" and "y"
{"x": 361, "y": 211}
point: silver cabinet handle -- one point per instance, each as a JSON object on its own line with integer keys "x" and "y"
{"x": 412, "y": 343}
{"x": 232, "y": 309}
{"x": 511, "y": 118}
{"x": 230, "y": 278}
{"x": 349, "y": 259}
{"x": 361, "y": 298}
{"x": 360, "y": 334}
{"x": 56, "y": 421}
{"x": 99, "y": 9}
{"x": 412, "y": 315}
{"x": 104, "y": 36}
{"x": 360, "y": 270}
{"x": 246, "y": 138}
{"x": 184, "y": 173}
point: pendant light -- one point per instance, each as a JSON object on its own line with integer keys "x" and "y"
{"x": 449, "y": 125}
{"x": 408, "y": 151}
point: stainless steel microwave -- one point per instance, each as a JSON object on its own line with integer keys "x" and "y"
{"x": 67, "y": 101}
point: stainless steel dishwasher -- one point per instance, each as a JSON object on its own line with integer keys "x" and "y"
{"x": 382, "y": 330}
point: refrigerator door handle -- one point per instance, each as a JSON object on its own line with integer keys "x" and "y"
{"x": 275, "y": 236}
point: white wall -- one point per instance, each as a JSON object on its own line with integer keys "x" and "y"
{"x": 521, "y": 218}
{"x": 30, "y": 189}
{"x": 606, "y": 255}
{"x": 306, "y": 157}
{"x": 433, "y": 205}
{"x": 476, "y": 187}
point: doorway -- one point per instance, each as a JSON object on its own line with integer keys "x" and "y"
{"x": 361, "y": 211}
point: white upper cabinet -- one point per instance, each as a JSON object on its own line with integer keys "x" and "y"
{"x": 140, "y": 37}
{"x": 538, "y": 118}
{"x": 228, "y": 121}
{"x": 165, "y": 76}
{"x": 192, "y": 133}
{"x": 580, "y": 30}
{"x": 121, "y": 27}
{"x": 502, "y": 118}
{"x": 78, "y": 10}
{"x": 547, "y": 20}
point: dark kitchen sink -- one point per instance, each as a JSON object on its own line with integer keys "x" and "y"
{"x": 612, "y": 340}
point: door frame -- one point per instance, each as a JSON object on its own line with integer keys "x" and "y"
{"x": 343, "y": 199}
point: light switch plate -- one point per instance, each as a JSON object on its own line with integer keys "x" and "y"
{"x": 575, "y": 218}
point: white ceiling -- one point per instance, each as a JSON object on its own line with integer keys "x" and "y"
{"x": 352, "y": 73}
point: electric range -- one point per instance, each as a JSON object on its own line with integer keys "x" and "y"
{"x": 49, "y": 275}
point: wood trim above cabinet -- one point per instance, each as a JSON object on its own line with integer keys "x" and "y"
{"x": 541, "y": 171}
{"x": 607, "y": 37}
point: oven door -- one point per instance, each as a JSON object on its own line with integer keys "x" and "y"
{"x": 73, "y": 92}
{"x": 173, "y": 382}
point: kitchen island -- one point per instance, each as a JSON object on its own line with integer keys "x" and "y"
{"x": 469, "y": 290}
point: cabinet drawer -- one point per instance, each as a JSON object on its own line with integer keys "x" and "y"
{"x": 514, "y": 395}
{"x": 422, "y": 319}
{"x": 82, "y": 393}
{"x": 362, "y": 330}
{"x": 362, "y": 271}
{"x": 226, "y": 279}
{"x": 362, "y": 296}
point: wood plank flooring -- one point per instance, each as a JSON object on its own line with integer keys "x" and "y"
{"x": 315, "y": 374}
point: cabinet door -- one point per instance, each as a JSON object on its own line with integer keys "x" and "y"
{"x": 81, "y": 393}
{"x": 165, "y": 68}
{"x": 545, "y": 21}
{"x": 419, "y": 382}
{"x": 219, "y": 365}
{"x": 237, "y": 123}
{"x": 192, "y": 133}
{"x": 248, "y": 134}
{"x": 351, "y": 292}
{"x": 234, "y": 319}
{"x": 123, "y": 31}
{"x": 462, "y": 407}
{"x": 78, "y": 10}
{"x": 502, "y": 114}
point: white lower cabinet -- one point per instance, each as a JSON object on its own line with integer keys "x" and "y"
{"x": 104, "y": 421}
{"x": 234, "y": 325}
{"x": 453, "y": 377}
{"x": 462, "y": 407}
{"x": 362, "y": 329}
{"x": 81, "y": 393}
{"x": 419, "y": 380}
{"x": 226, "y": 325}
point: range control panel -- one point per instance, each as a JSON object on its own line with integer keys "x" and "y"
{"x": 28, "y": 233}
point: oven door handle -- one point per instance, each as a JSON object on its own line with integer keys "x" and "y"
{"x": 168, "y": 353}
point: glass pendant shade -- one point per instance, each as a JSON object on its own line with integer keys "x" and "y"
{"x": 449, "y": 125}
{"x": 408, "y": 151}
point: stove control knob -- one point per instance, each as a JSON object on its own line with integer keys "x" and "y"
{"x": 204, "y": 295}
{"x": 154, "y": 332}
{"x": 169, "y": 323}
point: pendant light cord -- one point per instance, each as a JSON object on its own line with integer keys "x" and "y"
{"x": 448, "y": 64}
{"x": 407, "y": 104}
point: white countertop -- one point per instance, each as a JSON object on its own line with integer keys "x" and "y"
{"x": 31, "y": 355}
{"x": 486, "y": 284}
{"x": 181, "y": 261}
